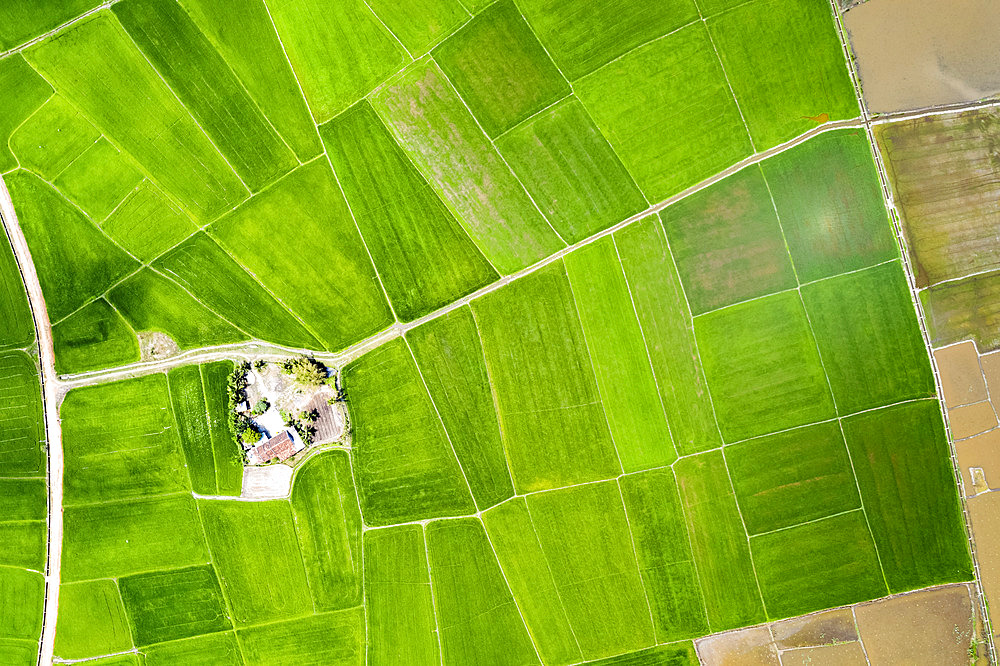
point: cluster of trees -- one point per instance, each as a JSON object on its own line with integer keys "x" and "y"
{"x": 242, "y": 428}
{"x": 303, "y": 424}
{"x": 306, "y": 370}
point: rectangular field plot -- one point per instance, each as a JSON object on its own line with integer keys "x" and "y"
{"x": 762, "y": 366}
{"x": 793, "y": 477}
{"x": 423, "y": 255}
{"x": 437, "y": 131}
{"x": 571, "y": 171}
{"x": 728, "y": 243}
{"x": 500, "y": 69}
{"x": 402, "y": 627}
{"x": 216, "y": 649}
{"x": 17, "y": 329}
{"x": 419, "y": 24}
{"x": 97, "y": 67}
{"x": 478, "y": 618}
{"x": 719, "y": 542}
{"x": 120, "y": 441}
{"x": 555, "y": 433}
{"x": 450, "y": 356}
{"x": 668, "y": 112}
{"x": 585, "y": 536}
{"x": 968, "y": 308}
{"x": 168, "y": 605}
{"x": 22, "y": 430}
{"x": 328, "y": 524}
{"x": 791, "y": 75}
{"x": 903, "y": 467}
{"x": 21, "y": 613}
{"x": 147, "y": 224}
{"x": 831, "y": 562}
{"x": 867, "y": 331}
{"x": 187, "y": 398}
{"x": 406, "y": 469}
{"x": 666, "y": 324}
{"x": 26, "y": 91}
{"x": 120, "y": 538}
{"x": 52, "y": 138}
{"x": 99, "y": 179}
{"x": 91, "y": 621}
{"x": 74, "y": 260}
{"x": 23, "y": 499}
{"x": 830, "y": 204}
{"x": 336, "y": 639}
{"x": 228, "y": 454}
{"x": 674, "y": 654}
{"x": 238, "y": 532}
{"x": 621, "y": 362}
{"x": 22, "y": 545}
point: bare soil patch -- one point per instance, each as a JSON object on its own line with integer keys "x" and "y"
{"x": 154, "y": 346}
{"x": 836, "y": 626}
{"x": 981, "y": 452}
{"x": 984, "y": 511}
{"x": 268, "y": 482}
{"x": 745, "y": 647}
{"x": 843, "y": 654}
{"x": 961, "y": 378}
{"x": 972, "y": 419}
{"x": 990, "y": 364}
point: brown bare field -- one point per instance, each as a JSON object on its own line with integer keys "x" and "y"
{"x": 967, "y": 308}
{"x": 990, "y": 363}
{"x": 917, "y": 53}
{"x": 984, "y": 511}
{"x": 983, "y": 452}
{"x": 844, "y": 654}
{"x": 744, "y": 647}
{"x": 972, "y": 419}
{"x": 825, "y": 628}
{"x": 961, "y": 376}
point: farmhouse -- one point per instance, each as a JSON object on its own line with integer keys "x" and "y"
{"x": 282, "y": 446}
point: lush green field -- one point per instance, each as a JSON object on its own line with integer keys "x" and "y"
{"x": 52, "y": 138}
{"x": 21, "y": 612}
{"x": 187, "y": 398}
{"x": 22, "y": 431}
{"x": 23, "y": 20}
{"x": 337, "y": 639}
{"x": 16, "y": 327}
{"x": 26, "y": 92}
{"x": 227, "y": 453}
{"x": 418, "y": 24}
{"x": 99, "y": 179}
{"x": 91, "y": 621}
{"x": 217, "y": 649}
{"x": 22, "y": 499}
{"x": 22, "y": 544}
{"x": 147, "y": 224}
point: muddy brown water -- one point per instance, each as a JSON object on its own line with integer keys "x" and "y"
{"x": 918, "y": 53}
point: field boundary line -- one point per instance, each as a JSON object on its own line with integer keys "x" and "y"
{"x": 59, "y": 28}
{"x": 690, "y": 545}
{"x": 134, "y": 650}
{"x": 806, "y": 522}
{"x": 953, "y": 280}
{"x": 361, "y": 539}
{"x": 857, "y": 632}
{"x": 208, "y": 419}
{"x": 746, "y": 532}
{"x": 430, "y": 583}
{"x": 635, "y": 554}
{"x": 527, "y": 121}
{"x": 391, "y": 33}
{"x": 636, "y": 48}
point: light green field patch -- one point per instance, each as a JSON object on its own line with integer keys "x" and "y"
{"x": 19, "y": 652}
{"x": 824, "y": 564}
{"x": 23, "y": 545}
{"x": 151, "y": 302}
{"x": 404, "y": 464}
{"x": 674, "y": 654}
{"x": 583, "y": 531}
{"x": 238, "y": 532}
{"x": 830, "y": 204}
{"x": 791, "y": 74}
{"x": 206, "y": 86}
{"x": 907, "y": 485}
{"x": 618, "y": 351}
{"x": 478, "y": 618}
{"x": 52, "y": 138}
{"x": 99, "y": 179}
{"x": 121, "y": 538}
{"x": 243, "y": 34}
{"x": 554, "y": 429}
{"x": 425, "y": 258}
{"x": 336, "y": 639}
{"x": 728, "y": 243}
{"x": 94, "y": 337}
{"x": 436, "y": 130}
{"x": 666, "y": 325}
{"x": 530, "y": 577}
{"x": 24, "y": 91}
{"x": 169, "y": 605}
{"x": 571, "y": 171}
{"x": 21, "y": 613}
{"x": 187, "y": 398}
{"x": 500, "y": 69}
{"x": 22, "y": 430}
{"x": 228, "y": 454}
{"x": 664, "y": 554}
{"x": 792, "y": 477}
{"x": 762, "y": 366}
{"x": 719, "y": 542}
{"x": 402, "y": 627}
{"x": 450, "y": 356}
{"x": 120, "y": 441}
{"x": 147, "y": 224}
{"x": 22, "y": 20}
{"x": 97, "y": 67}
{"x": 213, "y": 277}
{"x": 298, "y": 239}
{"x": 419, "y": 24}
{"x": 17, "y": 328}
{"x": 668, "y": 112}
{"x": 91, "y": 620}
{"x": 328, "y": 524}
{"x": 867, "y": 331}
{"x": 339, "y": 51}
{"x": 74, "y": 260}
{"x": 210, "y": 649}
{"x": 23, "y": 499}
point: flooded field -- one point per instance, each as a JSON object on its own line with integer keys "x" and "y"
{"x": 917, "y": 53}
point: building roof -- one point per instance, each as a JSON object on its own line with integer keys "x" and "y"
{"x": 280, "y": 446}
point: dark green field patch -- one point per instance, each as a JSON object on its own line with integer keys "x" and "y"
{"x": 91, "y": 620}
{"x": 728, "y": 243}
{"x": 23, "y": 593}
{"x": 831, "y": 562}
{"x": 25, "y": 91}
{"x": 908, "y": 488}
{"x": 94, "y": 337}
{"x": 23, "y": 545}
{"x": 500, "y": 69}
{"x": 762, "y": 366}
{"x": 17, "y": 328}
{"x": 867, "y": 330}
{"x": 22, "y": 429}
{"x": 478, "y": 618}
{"x": 168, "y": 605}
{"x": 328, "y": 524}
{"x": 334, "y": 639}
{"x": 450, "y": 356}
{"x": 99, "y": 179}
{"x": 52, "y": 138}
{"x": 147, "y": 224}
{"x": 674, "y": 654}
{"x": 210, "y": 649}
{"x": 419, "y": 24}
{"x": 405, "y": 466}
{"x": 228, "y": 454}
{"x": 792, "y": 477}
{"x": 119, "y": 441}
{"x": 23, "y": 499}
{"x": 74, "y": 260}
{"x": 423, "y": 255}
{"x": 830, "y": 204}
{"x": 187, "y": 397}
{"x": 571, "y": 171}
{"x": 22, "y": 20}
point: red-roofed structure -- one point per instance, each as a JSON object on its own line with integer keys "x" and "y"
{"x": 280, "y": 446}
